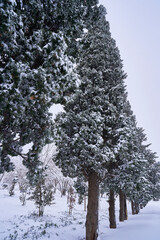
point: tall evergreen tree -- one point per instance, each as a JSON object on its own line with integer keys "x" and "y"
{"x": 35, "y": 73}
{"x": 154, "y": 180}
{"x": 132, "y": 173}
{"x": 11, "y": 101}
{"x": 88, "y": 132}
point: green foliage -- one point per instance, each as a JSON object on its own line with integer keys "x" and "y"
{"x": 35, "y": 73}
{"x": 81, "y": 188}
{"x": 87, "y": 133}
{"x": 153, "y": 176}
{"x": 62, "y": 51}
{"x": 42, "y": 196}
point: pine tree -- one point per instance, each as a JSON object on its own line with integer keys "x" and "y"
{"x": 35, "y": 73}
{"x": 154, "y": 180}
{"x": 11, "y": 101}
{"x": 82, "y": 189}
{"x": 42, "y": 196}
{"x": 134, "y": 171}
{"x": 86, "y": 133}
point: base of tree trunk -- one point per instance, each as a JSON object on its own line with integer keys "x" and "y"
{"x": 112, "y": 218}
{"x": 125, "y": 208}
{"x": 92, "y": 208}
{"x": 137, "y": 207}
{"x": 141, "y": 206}
{"x": 121, "y": 205}
{"x": 133, "y": 207}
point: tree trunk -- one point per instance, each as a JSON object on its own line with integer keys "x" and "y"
{"x": 112, "y": 218}
{"x": 11, "y": 190}
{"x": 133, "y": 207}
{"x": 92, "y": 208}
{"x": 141, "y": 206}
{"x": 85, "y": 205}
{"x": 1, "y": 177}
{"x": 41, "y": 211}
{"x": 40, "y": 206}
{"x": 121, "y": 204}
{"x": 137, "y": 207}
{"x": 125, "y": 208}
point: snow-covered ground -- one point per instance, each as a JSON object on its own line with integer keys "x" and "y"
{"x": 19, "y": 222}
{"x": 144, "y": 226}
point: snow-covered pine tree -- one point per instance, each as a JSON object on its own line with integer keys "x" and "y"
{"x": 87, "y": 132}
{"x": 35, "y": 73}
{"x": 130, "y": 168}
{"x": 154, "y": 180}
{"x": 145, "y": 183}
{"x": 82, "y": 189}
{"x": 132, "y": 173}
{"x": 123, "y": 153}
{"x": 11, "y": 101}
{"x": 42, "y": 195}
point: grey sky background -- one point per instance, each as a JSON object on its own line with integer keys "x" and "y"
{"x": 135, "y": 25}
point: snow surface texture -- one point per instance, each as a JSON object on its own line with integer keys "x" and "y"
{"x": 20, "y": 222}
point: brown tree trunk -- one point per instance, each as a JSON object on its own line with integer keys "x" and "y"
{"x": 133, "y": 207}
{"x": 112, "y": 218}
{"x": 141, "y": 206}
{"x": 125, "y": 208}
{"x": 92, "y": 208}
{"x": 137, "y": 207}
{"x": 121, "y": 205}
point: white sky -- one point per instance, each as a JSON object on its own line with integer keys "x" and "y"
{"x": 135, "y": 25}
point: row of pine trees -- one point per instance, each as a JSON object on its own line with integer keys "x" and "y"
{"x": 62, "y": 51}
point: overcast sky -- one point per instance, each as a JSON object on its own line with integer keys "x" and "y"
{"x": 135, "y": 25}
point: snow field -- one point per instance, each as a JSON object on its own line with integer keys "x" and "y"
{"x": 21, "y": 222}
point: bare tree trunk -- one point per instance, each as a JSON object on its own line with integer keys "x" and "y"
{"x": 112, "y": 218}
{"x": 125, "y": 208}
{"x": 121, "y": 204}
{"x": 92, "y": 208}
